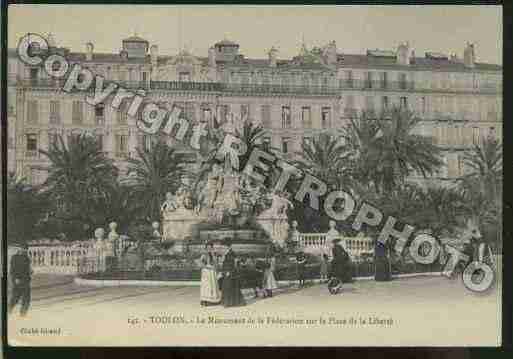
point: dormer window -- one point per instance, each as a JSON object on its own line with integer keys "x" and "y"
{"x": 184, "y": 76}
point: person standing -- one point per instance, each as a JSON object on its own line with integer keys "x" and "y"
{"x": 231, "y": 288}
{"x": 209, "y": 290}
{"x": 340, "y": 263}
{"x": 324, "y": 268}
{"x": 269, "y": 279}
{"x": 301, "y": 268}
{"x": 21, "y": 274}
{"x": 381, "y": 263}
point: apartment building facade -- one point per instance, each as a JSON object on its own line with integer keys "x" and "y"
{"x": 459, "y": 100}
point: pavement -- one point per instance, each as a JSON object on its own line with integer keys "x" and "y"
{"x": 419, "y": 311}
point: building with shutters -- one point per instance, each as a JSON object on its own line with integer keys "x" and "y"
{"x": 458, "y": 99}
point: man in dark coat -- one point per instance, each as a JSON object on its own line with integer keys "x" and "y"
{"x": 231, "y": 284}
{"x": 21, "y": 274}
{"x": 381, "y": 263}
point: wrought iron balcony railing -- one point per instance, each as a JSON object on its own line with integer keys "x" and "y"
{"x": 352, "y": 84}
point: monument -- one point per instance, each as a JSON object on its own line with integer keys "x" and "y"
{"x": 228, "y": 206}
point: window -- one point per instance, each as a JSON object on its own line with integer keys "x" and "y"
{"x": 244, "y": 112}
{"x": 54, "y": 112}
{"x": 52, "y": 140}
{"x": 461, "y": 166}
{"x": 99, "y": 114}
{"x": 423, "y": 104}
{"x": 325, "y": 117}
{"x": 222, "y": 111}
{"x": 285, "y": 144}
{"x": 350, "y": 110}
{"x": 349, "y": 78}
{"x": 77, "y": 114}
{"x": 266, "y": 142}
{"x": 147, "y": 142}
{"x": 190, "y": 111}
{"x": 33, "y": 73}
{"x": 184, "y": 76}
{"x": 122, "y": 113}
{"x": 384, "y": 80}
{"x": 404, "y": 103}
{"x": 369, "y": 103}
{"x": 32, "y": 111}
{"x": 206, "y": 115}
{"x": 144, "y": 76}
{"x": 306, "y": 118}
{"x": 31, "y": 145}
{"x": 285, "y": 117}
{"x": 384, "y": 103}
{"x": 475, "y": 135}
{"x": 492, "y": 133}
{"x": 121, "y": 145}
{"x": 99, "y": 141}
{"x": 266, "y": 116}
{"x": 368, "y": 79}
{"x": 402, "y": 81}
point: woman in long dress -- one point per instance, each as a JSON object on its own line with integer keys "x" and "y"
{"x": 231, "y": 285}
{"x": 381, "y": 263}
{"x": 340, "y": 263}
{"x": 209, "y": 290}
{"x": 269, "y": 280}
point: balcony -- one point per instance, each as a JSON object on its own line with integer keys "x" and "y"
{"x": 373, "y": 85}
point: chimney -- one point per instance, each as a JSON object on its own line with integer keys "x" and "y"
{"x": 469, "y": 56}
{"x": 273, "y": 56}
{"x": 51, "y": 40}
{"x": 212, "y": 57}
{"x": 403, "y": 54}
{"x": 331, "y": 53}
{"x": 89, "y": 51}
{"x": 154, "y": 53}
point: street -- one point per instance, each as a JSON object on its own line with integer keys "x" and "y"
{"x": 409, "y": 311}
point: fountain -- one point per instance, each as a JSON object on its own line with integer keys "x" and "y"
{"x": 229, "y": 206}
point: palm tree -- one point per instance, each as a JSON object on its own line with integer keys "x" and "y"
{"x": 26, "y": 208}
{"x": 79, "y": 176}
{"x": 485, "y": 163}
{"x": 440, "y": 209}
{"x": 482, "y": 185}
{"x": 154, "y": 172}
{"x": 388, "y": 150}
{"x": 325, "y": 157}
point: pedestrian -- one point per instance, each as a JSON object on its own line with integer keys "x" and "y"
{"x": 324, "y": 268}
{"x": 21, "y": 274}
{"x": 340, "y": 265}
{"x": 231, "y": 284}
{"x": 209, "y": 288}
{"x": 381, "y": 263}
{"x": 301, "y": 268}
{"x": 269, "y": 279}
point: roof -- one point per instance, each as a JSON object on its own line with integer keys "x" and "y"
{"x": 344, "y": 61}
{"x": 226, "y": 43}
{"x": 134, "y": 39}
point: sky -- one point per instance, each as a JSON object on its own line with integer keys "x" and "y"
{"x": 355, "y": 29}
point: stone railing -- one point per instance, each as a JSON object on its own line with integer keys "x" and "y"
{"x": 319, "y": 243}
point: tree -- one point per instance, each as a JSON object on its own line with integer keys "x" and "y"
{"x": 482, "y": 185}
{"x": 387, "y": 150}
{"x": 26, "y": 208}
{"x": 440, "y": 209}
{"x": 154, "y": 172}
{"x": 80, "y": 176}
{"x": 324, "y": 157}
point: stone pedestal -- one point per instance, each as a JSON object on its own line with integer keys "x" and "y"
{"x": 277, "y": 228}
